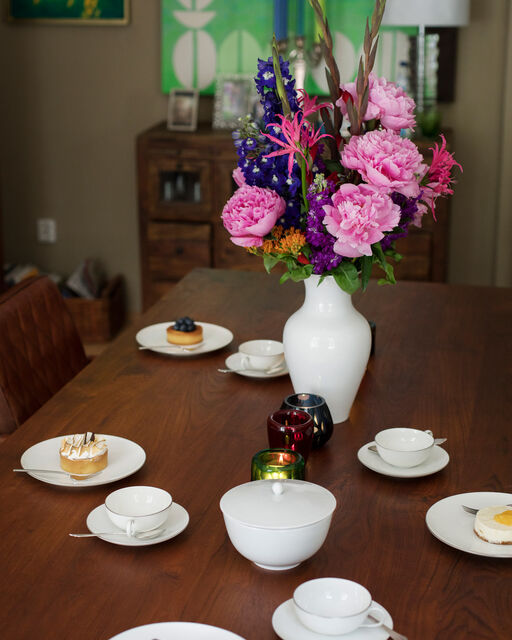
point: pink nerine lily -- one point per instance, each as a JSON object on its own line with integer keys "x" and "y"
{"x": 439, "y": 175}
{"x": 300, "y": 136}
{"x": 309, "y": 105}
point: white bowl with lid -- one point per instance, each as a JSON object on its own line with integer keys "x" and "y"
{"x": 277, "y": 524}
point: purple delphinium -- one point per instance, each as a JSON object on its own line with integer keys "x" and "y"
{"x": 320, "y": 240}
{"x": 409, "y": 207}
{"x": 251, "y": 146}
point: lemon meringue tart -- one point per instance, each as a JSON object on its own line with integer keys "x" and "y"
{"x": 83, "y": 453}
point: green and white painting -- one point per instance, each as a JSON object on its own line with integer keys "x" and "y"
{"x": 202, "y": 38}
{"x": 70, "y": 11}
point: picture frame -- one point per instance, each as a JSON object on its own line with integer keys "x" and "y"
{"x": 63, "y": 12}
{"x": 234, "y": 98}
{"x": 182, "y": 110}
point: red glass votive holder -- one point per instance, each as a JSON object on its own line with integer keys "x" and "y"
{"x": 277, "y": 464}
{"x": 291, "y": 429}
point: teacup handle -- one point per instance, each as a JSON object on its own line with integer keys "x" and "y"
{"x": 245, "y": 362}
{"x": 376, "y": 613}
{"x": 130, "y": 528}
{"x": 429, "y": 432}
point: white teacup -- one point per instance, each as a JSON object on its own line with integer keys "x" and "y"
{"x": 334, "y": 606}
{"x": 137, "y": 509}
{"x": 261, "y": 354}
{"x": 404, "y": 447}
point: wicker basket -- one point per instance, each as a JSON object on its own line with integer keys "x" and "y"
{"x": 100, "y": 319}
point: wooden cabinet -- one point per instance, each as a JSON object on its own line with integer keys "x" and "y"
{"x": 184, "y": 180}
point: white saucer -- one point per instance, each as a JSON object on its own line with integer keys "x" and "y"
{"x": 124, "y": 458}
{"x": 176, "y": 631}
{"x": 288, "y": 626}
{"x": 437, "y": 460}
{"x": 448, "y": 522}
{"x": 234, "y": 361}
{"x": 154, "y": 338}
{"x": 98, "y": 521}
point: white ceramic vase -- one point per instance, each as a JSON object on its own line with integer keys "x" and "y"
{"x": 327, "y": 345}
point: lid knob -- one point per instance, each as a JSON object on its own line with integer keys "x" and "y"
{"x": 277, "y": 488}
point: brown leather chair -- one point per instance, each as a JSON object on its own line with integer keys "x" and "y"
{"x": 40, "y": 349}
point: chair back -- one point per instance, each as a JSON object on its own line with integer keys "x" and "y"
{"x": 40, "y": 349}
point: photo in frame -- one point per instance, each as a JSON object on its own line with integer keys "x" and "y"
{"x": 75, "y": 12}
{"x": 234, "y": 98}
{"x": 182, "y": 110}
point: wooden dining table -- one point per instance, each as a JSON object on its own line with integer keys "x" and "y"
{"x": 442, "y": 361}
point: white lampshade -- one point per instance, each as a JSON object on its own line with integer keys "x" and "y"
{"x": 428, "y": 13}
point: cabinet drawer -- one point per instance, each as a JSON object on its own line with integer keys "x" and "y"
{"x": 179, "y": 189}
{"x": 174, "y": 249}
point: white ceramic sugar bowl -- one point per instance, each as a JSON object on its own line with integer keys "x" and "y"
{"x": 277, "y": 524}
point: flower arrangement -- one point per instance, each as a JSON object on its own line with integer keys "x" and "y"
{"x": 320, "y": 202}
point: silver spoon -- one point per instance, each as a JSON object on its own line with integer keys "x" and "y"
{"x": 391, "y": 632}
{"x": 273, "y": 369}
{"x": 143, "y": 535}
{"x": 81, "y": 476}
{"x": 373, "y": 448}
{"x": 475, "y": 511}
{"x": 171, "y": 346}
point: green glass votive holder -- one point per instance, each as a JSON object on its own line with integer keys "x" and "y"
{"x": 277, "y": 464}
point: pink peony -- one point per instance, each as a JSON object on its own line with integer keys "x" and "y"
{"x": 387, "y": 161}
{"x": 359, "y": 216}
{"x": 386, "y": 102}
{"x": 238, "y": 177}
{"x": 250, "y": 214}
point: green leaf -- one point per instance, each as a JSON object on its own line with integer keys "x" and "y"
{"x": 284, "y": 277}
{"x": 384, "y": 264}
{"x": 347, "y": 277}
{"x": 366, "y": 270}
{"x": 334, "y": 166}
{"x": 269, "y": 261}
{"x": 301, "y": 273}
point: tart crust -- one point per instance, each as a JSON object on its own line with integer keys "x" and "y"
{"x": 489, "y": 541}
{"x": 184, "y": 337}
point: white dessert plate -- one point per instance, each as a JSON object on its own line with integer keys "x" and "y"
{"x": 124, "y": 458}
{"x": 154, "y": 338}
{"x": 289, "y": 627}
{"x": 448, "y": 522}
{"x": 437, "y": 460}
{"x": 234, "y": 361}
{"x": 98, "y": 521}
{"x": 176, "y": 631}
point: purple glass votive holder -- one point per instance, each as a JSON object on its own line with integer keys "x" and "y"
{"x": 291, "y": 429}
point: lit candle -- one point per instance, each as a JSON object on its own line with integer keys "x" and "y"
{"x": 300, "y": 18}
{"x": 281, "y": 19}
{"x": 277, "y": 464}
{"x": 318, "y": 29}
{"x": 292, "y": 429}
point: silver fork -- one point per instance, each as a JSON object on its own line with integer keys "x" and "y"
{"x": 475, "y": 511}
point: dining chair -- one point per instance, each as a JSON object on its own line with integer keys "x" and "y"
{"x": 40, "y": 349}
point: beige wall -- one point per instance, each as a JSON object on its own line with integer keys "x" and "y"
{"x": 74, "y": 98}
{"x": 72, "y": 101}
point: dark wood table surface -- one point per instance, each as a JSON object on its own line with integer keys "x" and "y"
{"x": 442, "y": 361}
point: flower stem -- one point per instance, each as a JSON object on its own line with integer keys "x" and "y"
{"x": 303, "y": 183}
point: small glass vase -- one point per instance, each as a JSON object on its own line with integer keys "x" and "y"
{"x": 291, "y": 429}
{"x": 317, "y": 408}
{"x": 277, "y": 464}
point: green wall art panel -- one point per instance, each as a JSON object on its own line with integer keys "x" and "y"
{"x": 202, "y": 38}
{"x": 76, "y": 11}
